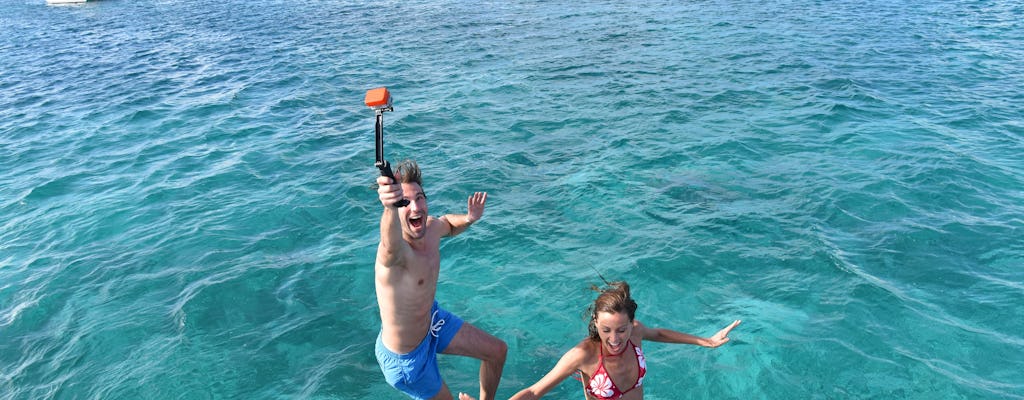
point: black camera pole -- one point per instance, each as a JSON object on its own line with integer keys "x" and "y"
{"x": 380, "y": 101}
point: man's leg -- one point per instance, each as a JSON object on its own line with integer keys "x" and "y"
{"x": 470, "y": 341}
{"x": 444, "y": 394}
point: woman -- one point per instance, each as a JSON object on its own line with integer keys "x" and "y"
{"x": 611, "y": 362}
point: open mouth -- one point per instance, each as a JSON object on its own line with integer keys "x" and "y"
{"x": 416, "y": 221}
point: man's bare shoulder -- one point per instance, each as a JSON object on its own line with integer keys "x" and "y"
{"x": 439, "y": 226}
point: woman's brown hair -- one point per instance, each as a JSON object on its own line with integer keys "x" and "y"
{"x": 614, "y": 298}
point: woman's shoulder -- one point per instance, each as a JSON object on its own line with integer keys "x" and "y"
{"x": 639, "y": 330}
{"x": 584, "y": 355}
{"x": 584, "y": 350}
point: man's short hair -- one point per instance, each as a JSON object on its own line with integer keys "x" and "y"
{"x": 410, "y": 172}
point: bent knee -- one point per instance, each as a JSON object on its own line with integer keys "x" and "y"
{"x": 500, "y": 351}
{"x": 495, "y": 351}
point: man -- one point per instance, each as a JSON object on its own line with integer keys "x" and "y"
{"x": 413, "y": 328}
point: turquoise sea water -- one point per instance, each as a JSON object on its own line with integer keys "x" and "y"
{"x": 187, "y": 211}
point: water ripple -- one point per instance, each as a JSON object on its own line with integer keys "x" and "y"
{"x": 187, "y": 206}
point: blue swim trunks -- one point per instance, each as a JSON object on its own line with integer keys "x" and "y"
{"x": 415, "y": 373}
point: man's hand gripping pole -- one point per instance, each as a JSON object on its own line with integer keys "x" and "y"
{"x": 379, "y": 100}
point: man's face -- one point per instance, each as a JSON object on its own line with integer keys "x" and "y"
{"x": 414, "y": 215}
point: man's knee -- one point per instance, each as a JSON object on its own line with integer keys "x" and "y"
{"x": 500, "y": 351}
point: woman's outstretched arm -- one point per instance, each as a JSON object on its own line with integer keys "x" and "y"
{"x": 671, "y": 336}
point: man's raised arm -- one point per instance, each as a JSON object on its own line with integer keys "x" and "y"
{"x": 475, "y": 206}
{"x": 392, "y": 246}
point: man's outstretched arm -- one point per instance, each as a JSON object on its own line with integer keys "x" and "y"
{"x": 460, "y": 222}
{"x": 392, "y": 246}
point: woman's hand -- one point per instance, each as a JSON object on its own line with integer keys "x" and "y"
{"x": 722, "y": 336}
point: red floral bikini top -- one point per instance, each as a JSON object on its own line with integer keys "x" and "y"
{"x": 601, "y": 385}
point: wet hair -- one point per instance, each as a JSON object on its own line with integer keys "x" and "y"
{"x": 410, "y": 172}
{"x": 614, "y": 298}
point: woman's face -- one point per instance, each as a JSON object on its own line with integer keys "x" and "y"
{"x": 614, "y": 330}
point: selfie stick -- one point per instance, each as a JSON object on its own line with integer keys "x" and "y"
{"x": 379, "y": 100}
